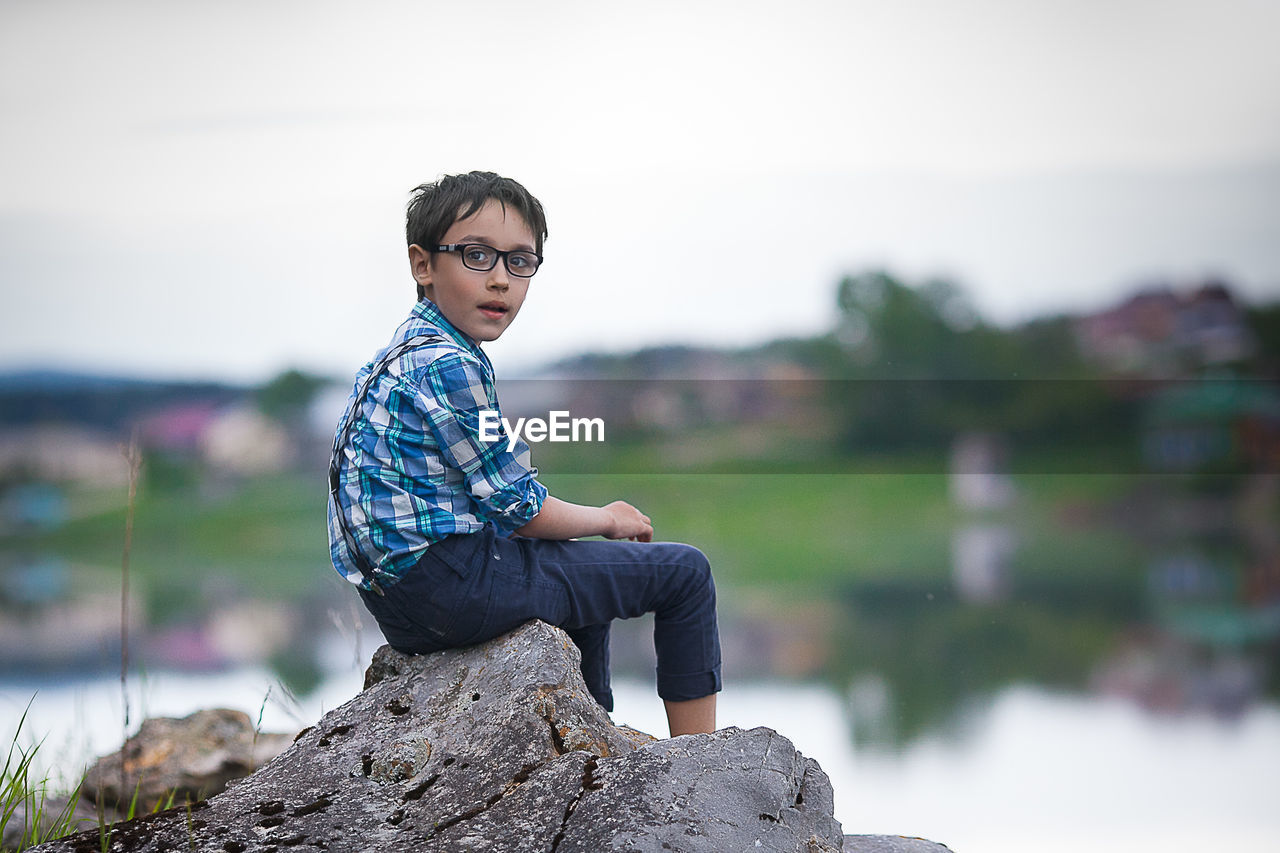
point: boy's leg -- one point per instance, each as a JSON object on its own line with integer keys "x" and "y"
{"x": 694, "y": 716}
{"x": 469, "y": 589}
{"x": 444, "y": 602}
{"x": 578, "y": 584}
{"x": 593, "y": 642}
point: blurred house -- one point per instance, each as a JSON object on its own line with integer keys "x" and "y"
{"x": 1159, "y": 333}
{"x": 230, "y": 439}
{"x": 1205, "y": 597}
{"x": 1212, "y": 329}
{"x": 1164, "y": 673}
{"x": 232, "y": 633}
{"x": 242, "y": 440}
{"x": 74, "y": 624}
{"x": 669, "y": 390}
{"x": 62, "y": 454}
{"x": 177, "y": 429}
{"x": 1207, "y": 645}
{"x": 1224, "y": 425}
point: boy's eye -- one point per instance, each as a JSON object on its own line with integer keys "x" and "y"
{"x": 477, "y": 254}
{"x": 519, "y": 260}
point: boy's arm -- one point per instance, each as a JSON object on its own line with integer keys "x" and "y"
{"x": 563, "y": 520}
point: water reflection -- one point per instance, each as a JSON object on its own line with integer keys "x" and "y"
{"x": 60, "y": 619}
{"x": 1163, "y": 591}
{"x": 980, "y": 557}
{"x": 1006, "y": 692}
{"x": 1072, "y": 772}
{"x": 1189, "y": 622}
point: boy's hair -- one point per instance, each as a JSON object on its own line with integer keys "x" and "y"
{"x": 434, "y": 207}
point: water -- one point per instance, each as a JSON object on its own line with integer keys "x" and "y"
{"x": 1033, "y": 770}
{"x": 1068, "y": 684}
{"x": 1029, "y": 769}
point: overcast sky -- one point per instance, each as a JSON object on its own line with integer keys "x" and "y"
{"x": 217, "y": 189}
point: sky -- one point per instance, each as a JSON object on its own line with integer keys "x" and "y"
{"x": 216, "y": 190}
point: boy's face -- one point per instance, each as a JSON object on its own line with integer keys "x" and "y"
{"x": 480, "y": 304}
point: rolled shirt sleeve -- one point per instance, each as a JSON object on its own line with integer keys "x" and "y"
{"x": 453, "y": 397}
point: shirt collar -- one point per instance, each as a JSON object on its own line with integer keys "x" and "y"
{"x": 426, "y": 311}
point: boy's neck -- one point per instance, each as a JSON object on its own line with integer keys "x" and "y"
{"x": 436, "y": 316}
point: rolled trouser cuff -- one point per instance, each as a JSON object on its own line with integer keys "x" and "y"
{"x": 682, "y": 688}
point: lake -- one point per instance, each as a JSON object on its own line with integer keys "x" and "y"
{"x": 1093, "y": 667}
{"x": 1028, "y": 768}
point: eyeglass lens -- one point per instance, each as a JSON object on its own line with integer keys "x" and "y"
{"x": 483, "y": 258}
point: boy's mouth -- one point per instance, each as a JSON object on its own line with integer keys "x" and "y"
{"x": 494, "y": 309}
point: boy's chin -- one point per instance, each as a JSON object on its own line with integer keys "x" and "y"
{"x": 493, "y": 331}
{"x": 486, "y": 335}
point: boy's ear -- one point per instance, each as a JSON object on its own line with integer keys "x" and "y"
{"x": 420, "y": 265}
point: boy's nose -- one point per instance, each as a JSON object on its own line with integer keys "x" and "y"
{"x": 498, "y": 276}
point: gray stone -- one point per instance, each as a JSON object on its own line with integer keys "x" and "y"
{"x": 180, "y": 760}
{"x": 890, "y": 844}
{"x": 731, "y": 790}
{"x": 499, "y": 747}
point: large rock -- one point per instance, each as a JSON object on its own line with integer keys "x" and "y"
{"x": 891, "y": 844}
{"x": 499, "y": 747}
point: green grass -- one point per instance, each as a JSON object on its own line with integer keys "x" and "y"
{"x": 26, "y": 797}
{"x": 800, "y": 533}
{"x": 809, "y": 531}
{"x": 1068, "y": 526}
{"x": 797, "y": 534}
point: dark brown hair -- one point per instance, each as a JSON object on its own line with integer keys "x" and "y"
{"x": 434, "y": 207}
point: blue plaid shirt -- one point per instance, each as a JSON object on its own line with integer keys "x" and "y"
{"x": 415, "y": 468}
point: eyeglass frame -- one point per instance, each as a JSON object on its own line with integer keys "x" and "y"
{"x": 501, "y": 256}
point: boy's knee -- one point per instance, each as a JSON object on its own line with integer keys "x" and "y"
{"x": 696, "y": 567}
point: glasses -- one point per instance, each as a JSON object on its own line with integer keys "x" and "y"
{"x": 482, "y": 258}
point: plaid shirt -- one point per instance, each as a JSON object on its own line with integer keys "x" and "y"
{"x": 415, "y": 469}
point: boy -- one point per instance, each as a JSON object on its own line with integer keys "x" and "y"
{"x": 451, "y": 539}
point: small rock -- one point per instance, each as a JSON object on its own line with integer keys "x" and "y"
{"x": 180, "y": 760}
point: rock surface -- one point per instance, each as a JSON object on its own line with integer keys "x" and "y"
{"x": 499, "y": 747}
{"x": 181, "y": 760}
{"x": 891, "y": 844}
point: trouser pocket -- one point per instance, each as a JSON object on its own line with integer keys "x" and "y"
{"x": 441, "y": 602}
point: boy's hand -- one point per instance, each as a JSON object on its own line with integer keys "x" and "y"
{"x": 627, "y": 522}
{"x": 563, "y": 520}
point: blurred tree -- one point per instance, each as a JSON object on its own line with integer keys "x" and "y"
{"x": 936, "y": 654}
{"x": 287, "y": 396}
{"x": 1264, "y": 321}
{"x": 893, "y": 330}
{"x": 914, "y": 366}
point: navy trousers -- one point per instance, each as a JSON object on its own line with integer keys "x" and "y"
{"x": 470, "y": 588}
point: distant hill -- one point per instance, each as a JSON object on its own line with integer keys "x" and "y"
{"x": 106, "y": 402}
